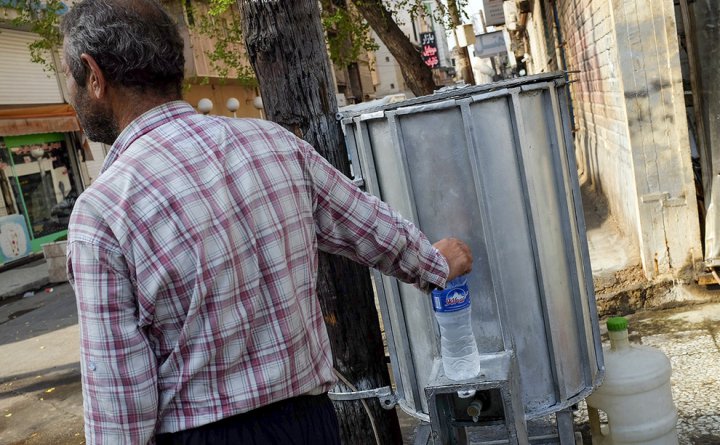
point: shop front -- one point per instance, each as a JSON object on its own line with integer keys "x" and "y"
{"x": 41, "y": 156}
{"x": 43, "y": 153}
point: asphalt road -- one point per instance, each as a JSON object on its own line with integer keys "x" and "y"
{"x": 40, "y": 394}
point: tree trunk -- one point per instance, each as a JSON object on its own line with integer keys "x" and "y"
{"x": 417, "y": 75}
{"x": 464, "y": 64}
{"x": 286, "y": 47}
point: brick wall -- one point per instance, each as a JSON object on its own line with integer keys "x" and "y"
{"x": 631, "y": 130}
{"x": 601, "y": 123}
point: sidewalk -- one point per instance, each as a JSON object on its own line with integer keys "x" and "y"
{"x": 40, "y": 395}
{"x": 28, "y": 277}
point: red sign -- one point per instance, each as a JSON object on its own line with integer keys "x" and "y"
{"x": 429, "y": 51}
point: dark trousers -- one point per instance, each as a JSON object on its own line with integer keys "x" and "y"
{"x": 303, "y": 420}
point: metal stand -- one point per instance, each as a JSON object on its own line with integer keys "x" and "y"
{"x": 498, "y": 405}
{"x": 566, "y": 431}
{"x": 498, "y": 400}
{"x": 422, "y": 434}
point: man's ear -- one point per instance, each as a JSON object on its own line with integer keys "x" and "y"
{"x": 96, "y": 83}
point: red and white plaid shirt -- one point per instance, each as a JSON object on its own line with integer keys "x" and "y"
{"x": 194, "y": 261}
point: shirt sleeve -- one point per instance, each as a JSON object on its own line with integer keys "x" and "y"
{"x": 119, "y": 373}
{"x": 365, "y": 229}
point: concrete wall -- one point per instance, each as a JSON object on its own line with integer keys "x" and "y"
{"x": 390, "y": 79}
{"x": 631, "y": 128}
{"x": 541, "y": 40}
{"x": 646, "y": 34}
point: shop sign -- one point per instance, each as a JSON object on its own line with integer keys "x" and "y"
{"x": 494, "y": 13}
{"x": 490, "y": 44}
{"x": 429, "y": 51}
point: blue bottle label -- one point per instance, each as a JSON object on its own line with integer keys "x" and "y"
{"x": 453, "y": 298}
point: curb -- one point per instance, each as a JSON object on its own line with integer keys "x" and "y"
{"x": 25, "y": 287}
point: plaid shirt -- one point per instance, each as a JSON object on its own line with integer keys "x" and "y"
{"x": 194, "y": 261}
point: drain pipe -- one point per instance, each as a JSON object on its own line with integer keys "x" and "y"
{"x": 562, "y": 62}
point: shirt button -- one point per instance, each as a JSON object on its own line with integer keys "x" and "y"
{"x": 92, "y": 366}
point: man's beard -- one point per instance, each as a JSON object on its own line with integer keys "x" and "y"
{"x": 98, "y": 121}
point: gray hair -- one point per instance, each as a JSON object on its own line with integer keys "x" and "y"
{"x": 135, "y": 43}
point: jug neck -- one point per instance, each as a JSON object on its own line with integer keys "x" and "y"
{"x": 619, "y": 340}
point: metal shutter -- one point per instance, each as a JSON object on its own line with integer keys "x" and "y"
{"x": 23, "y": 82}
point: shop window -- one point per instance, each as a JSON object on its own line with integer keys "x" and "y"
{"x": 41, "y": 180}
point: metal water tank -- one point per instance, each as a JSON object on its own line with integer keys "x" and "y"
{"x": 493, "y": 165}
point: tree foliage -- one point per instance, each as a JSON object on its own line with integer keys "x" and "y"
{"x": 220, "y": 21}
{"x": 348, "y": 33}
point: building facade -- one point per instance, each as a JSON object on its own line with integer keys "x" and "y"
{"x": 45, "y": 162}
{"x": 633, "y": 142}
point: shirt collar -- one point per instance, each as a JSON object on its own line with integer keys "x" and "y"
{"x": 145, "y": 123}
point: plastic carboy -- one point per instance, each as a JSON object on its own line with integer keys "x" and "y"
{"x": 635, "y": 394}
{"x": 460, "y": 357}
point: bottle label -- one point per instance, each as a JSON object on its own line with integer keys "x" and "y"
{"x": 451, "y": 299}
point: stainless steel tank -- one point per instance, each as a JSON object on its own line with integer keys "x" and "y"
{"x": 493, "y": 165}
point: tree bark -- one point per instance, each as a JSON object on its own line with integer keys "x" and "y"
{"x": 417, "y": 75}
{"x": 286, "y": 47}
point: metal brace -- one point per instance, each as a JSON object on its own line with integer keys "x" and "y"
{"x": 388, "y": 400}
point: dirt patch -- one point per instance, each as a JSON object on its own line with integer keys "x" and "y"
{"x": 631, "y": 300}
{"x": 622, "y": 280}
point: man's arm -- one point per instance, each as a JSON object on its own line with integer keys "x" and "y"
{"x": 119, "y": 369}
{"x": 365, "y": 229}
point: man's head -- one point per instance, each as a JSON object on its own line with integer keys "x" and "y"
{"x": 117, "y": 52}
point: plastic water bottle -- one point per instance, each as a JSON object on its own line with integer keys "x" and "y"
{"x": 636, "y": 394}
{"x": 460, "y": 357}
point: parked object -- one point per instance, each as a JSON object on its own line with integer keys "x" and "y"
{"x": 635, "y": 395}
{"x": 503, "y": 153}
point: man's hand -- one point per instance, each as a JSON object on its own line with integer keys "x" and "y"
{"x": 458, "y": 256}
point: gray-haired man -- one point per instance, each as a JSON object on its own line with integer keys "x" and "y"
{"x": 194, "y": 254}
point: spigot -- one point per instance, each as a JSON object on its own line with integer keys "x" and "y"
{"x": 474, "y": 410}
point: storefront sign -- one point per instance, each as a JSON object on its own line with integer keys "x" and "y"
{"x": 490, "y": 44}
{"x": 494, "y": 14}
{"x": 429, "y": 49}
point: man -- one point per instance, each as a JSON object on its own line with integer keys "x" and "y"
{"x": 194, "y": 254}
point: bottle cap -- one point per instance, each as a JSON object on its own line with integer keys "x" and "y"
{"x": 616, "y": 324}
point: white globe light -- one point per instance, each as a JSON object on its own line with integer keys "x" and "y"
{"x": 232, "y": 104}
{"x": 37, "y": 152}
{"x": 205, "y": 105}
{"x": 258, "y": 103}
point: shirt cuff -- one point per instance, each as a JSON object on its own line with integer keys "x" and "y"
{"x": 435, "y": 277}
